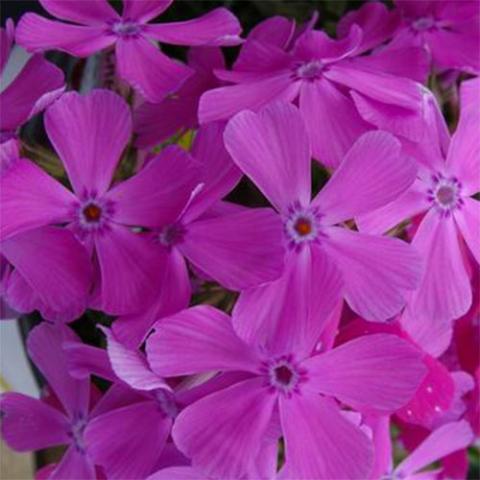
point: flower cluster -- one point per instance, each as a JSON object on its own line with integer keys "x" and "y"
{"x": 282, "y": 255}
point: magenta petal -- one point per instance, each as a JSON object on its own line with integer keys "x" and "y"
{"x": 102, "y": 124}
{"x": 377, "y": 271}
{"x": 37, "y": 34}
{"x": 217, "y": 27}
{"x": 196, "y": 340}
{"x": 221, "y": 103}
{"x": 6, "y": 40}
{"x": 322, "y": 103}
{"x": 74, "y": 465}
{"x": 225, "y": 445}
{"x": 177, "y": 473}
{"x": 375, "y": 158}
{"x": 320, "y": 442}
{"x": 468, "y": 221}
{"x": 359, "y": 373}
{"x": 273, "y": 149}
{"x": 45, "y": 347}
{"x": 148, "y": 70}
{"x": 18, "y": 100}
{"x": 131, "y": 266}
{"x": 145, "y": 10}
{"x": 438, "y": 243}
{"x": 31, "y": 198}
{"x": 444, "y": 440}
{"x": 128, "y": 441}
{"x": 19, "y": 295}
{"x": 29, "y": 424}
{"x": 51, "y": 253}
{"x": 239, "y": 250}
{"x": 156, "y": 195}
{"x": 88, "y": 12}
{"x": 276, "y": 31}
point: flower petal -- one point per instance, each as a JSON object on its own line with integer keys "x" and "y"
{"x": 320, "y": 442}
{"x": 372, "y": 174}
{"x": 177, "y": 473}
{"x": 273, "y": 149}
{"x": 84, "y": 360}
{"x": 74, "y": 464}
{"x": 88, "y": 12}
{"x": 148, "y": 70}
{"x": 156, "y": 195}
{"x": 377, "y": 271}
{"x": 239, "y": 250}
{"x": 37, "y": 34}
{"x": 29, "y": 424}
{"x": 197, "y": 340}
{"x": 215, "y": 28}
{"x": 468, "y": 221}
{"x": 145, "y": 10}
{"x": 222, "y": 432}
{"x": 359, "y": 373}
{"x": 89, "y": 133}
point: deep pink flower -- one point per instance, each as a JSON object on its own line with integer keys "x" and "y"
{"x": 37, "y": 84}
{"x": 273, "y": 149}
{"x": 89, "y": 133}
{"x": 223, "y": 431}
{"x": 449, "y": 29}
{"x": 96, "y": 25}
{"x": 337, "y": 89}
{"x": 448, "y": 177}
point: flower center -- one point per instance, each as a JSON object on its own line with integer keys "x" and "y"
{"x": 301, "y": 226}
{"x": 171, "y": 234}
{"x": 126, "y": 28}
{"x": 445, "y": 194}
{"x": 423, "y": 23}
{"x": 283, "y": 374}
{"x": 92, "y": 213}
{"x": 310, "y": 70}
{"x": 76, "y": 432}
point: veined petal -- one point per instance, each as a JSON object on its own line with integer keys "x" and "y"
{"x": 74, "y": 464}
{"x": 89, "y": 133}
{"x": 372, "y": 174}
{"x": 217, "y": 27}
{"x": 223, "y": 431}
{"x": 273, "y": 149}
{"x": 359, "y": 373}
{"x": 37, "y": 34}
{"x": 88, "y": 12}
{"x": 197, "y": 340}
{"x": 148, "y": 70}
{"x": 84, "y": 360}
{"x": 145, "y": 10}
{"x": 468, "y": 221}
{"x": 320, "y": 442}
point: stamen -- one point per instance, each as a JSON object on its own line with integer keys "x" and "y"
{"x": 310, "y": 70}
{"x": 92, "y": 213}
{"x": 126, "y": 28}
{"x": 303, "y": 226}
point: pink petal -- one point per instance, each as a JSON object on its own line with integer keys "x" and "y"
{"x": 322, "y": 103}
{"x": 441, "y": 442}
{"x": 177, "y": 473}
{"x": 197, "y": 340}
{"x": 45, "y": 347}
{"x": 215, "y": 28}
{"x": 157, "y": 194}
{"x": 84, "y": 360}
{"x": 88, "y": 12}
{"x": 74, "y": 464}
{"x": 37, "y": 34}
{"x": 359, "y": 373}
{"x": 264, "y": 315}
{"x": 131, "y": 266}
{"x": 221, "y": 103}
{"x": 31, "y": 198}
{"x": 468, "y": 222}
{"x": 225, "y": 444}
{"x": 148, "y": 70}
{"x": 437, "y": 241}
{"x": 37, "y": 78}
{"x": 273, "y": 149}
{"x": 101, "y": 123}
{"x": 131, "y": 455}
{"x": 63, "y": 260}
{"x": 239, "y": 250}
{"x": 19, "y": 295}
{"x": 131, "y": 366}
{"x": 382, "y": 179}
{"x": 410, "y": 203}
{"x": 320, "y": 442}
{"x": 6, "y": 41}
{"x": 145, "y": 10}
{"x": 276, "y": 30}
{"x": 29, "y": 424}
{"x": 377, "y": 271}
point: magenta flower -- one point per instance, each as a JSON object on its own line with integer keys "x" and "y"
{"x": 448, "y": 178}
{"x": 449, "y": 29}
{"x": 155, "y": 122}
{"x": 272, "y": 148}
{"x": 320, "y": 441}
{"x": 30, "y": 91}
{"x": 336, "y": 89}
{"x": 89, "y": 133}
{"x": 96, "y": 25}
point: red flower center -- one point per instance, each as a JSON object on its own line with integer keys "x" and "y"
{"x": 92, "y": 213}
{"x": 303, "y": 226}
